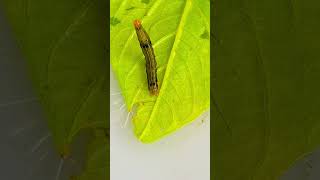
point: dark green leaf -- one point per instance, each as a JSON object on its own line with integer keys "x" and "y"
{"x": 97, "y": 161}
{"x": 64, "y": 43}
{"x": 265, "y": 72}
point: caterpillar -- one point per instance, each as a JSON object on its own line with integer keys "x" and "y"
{"x": 151, "y": 64}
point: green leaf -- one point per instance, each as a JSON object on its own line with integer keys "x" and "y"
{"x": 64, "y": 43}
{"x": 176, "y": 29}
{"x": 97, "y": 161}
{"x": 265, "y": 73}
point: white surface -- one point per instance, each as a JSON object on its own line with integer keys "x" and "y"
{"x": 183, "y": 155}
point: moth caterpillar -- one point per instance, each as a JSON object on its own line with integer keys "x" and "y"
{"x": 151, "y": 64}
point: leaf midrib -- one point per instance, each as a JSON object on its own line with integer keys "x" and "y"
{"x": 182, "y": 21}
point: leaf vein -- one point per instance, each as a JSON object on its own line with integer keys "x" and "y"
{"x": 178, "y": 35}
{"x": 63, "y": 37}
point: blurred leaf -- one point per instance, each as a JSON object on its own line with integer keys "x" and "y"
{"x": 64, "y": 43}
{"x": 97, "y": 161}
{"x": 265, "y": 72}
{"x": 65, "y": 46}
{"x": 176, "y": 29}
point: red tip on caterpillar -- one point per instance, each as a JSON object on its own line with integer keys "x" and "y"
{"x": 137, "y": 23}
